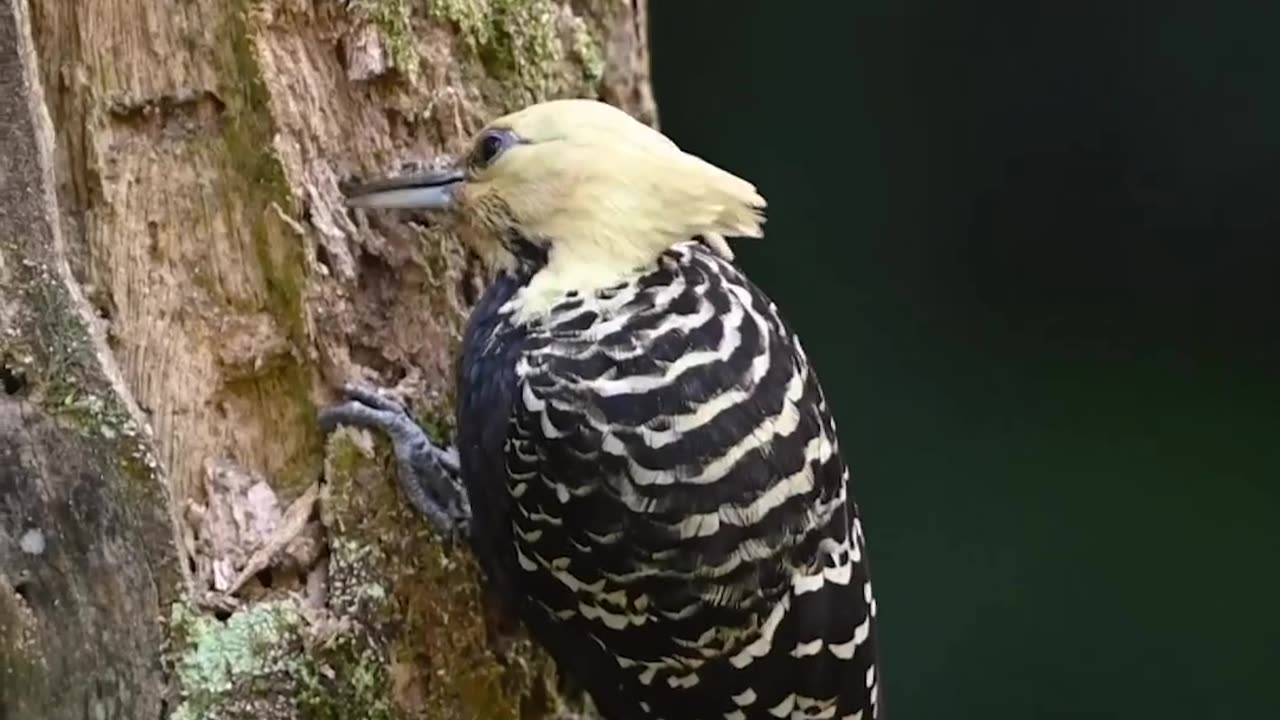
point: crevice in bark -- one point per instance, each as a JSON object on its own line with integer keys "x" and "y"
{"x": 11, "y": 379}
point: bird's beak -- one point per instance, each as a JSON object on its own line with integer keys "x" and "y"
{"x": 430, "y": 190}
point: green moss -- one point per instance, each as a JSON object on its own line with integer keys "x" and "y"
{"x": 49, "y": 347}
{"x": 472, "y": 18}
{"x": 357, "y": 563}
{"x": 261, "y": 188}
{"x": 421, "y": 598}
{"x": 588, "y": 52}
{"x": 437, "y": 424}
{"x": 393, "y": 21}
{"x": 345, "y": 680}
{"x": 248, "y": 141}
{"x": 343, "y": 459}
{"x": 518, "y": 43}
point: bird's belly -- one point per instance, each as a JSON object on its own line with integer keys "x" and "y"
{"x": 675, "y": 649}
{"x": 687, "y": 640}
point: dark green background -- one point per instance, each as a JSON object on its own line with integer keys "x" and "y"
{"x": 1034, "y": 250}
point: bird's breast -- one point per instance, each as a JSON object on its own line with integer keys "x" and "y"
{"x": 676, "y": 498}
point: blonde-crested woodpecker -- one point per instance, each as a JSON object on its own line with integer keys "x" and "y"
{"x": 646, "y": 464}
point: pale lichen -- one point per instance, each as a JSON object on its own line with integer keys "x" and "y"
{"x": 247, "y": 666}
{"x": 270, "y": 662}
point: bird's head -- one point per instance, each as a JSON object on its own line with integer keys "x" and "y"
{"x": 581, "y": 190}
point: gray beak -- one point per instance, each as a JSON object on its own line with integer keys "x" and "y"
{"x": 431, "y": 190}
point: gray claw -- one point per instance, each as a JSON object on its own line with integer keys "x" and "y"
{"x": 371, "y": 396}
{"x": 427, "y": 474}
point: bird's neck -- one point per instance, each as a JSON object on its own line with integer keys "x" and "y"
{"x": 582, "y": 268}
{"x": 527, "y": 257}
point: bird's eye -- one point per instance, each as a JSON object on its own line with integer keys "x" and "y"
{"x": 490, "y": 146}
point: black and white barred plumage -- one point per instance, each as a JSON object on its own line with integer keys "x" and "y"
{"x": 655, "y": 478}
{"x": 647, "y": 468}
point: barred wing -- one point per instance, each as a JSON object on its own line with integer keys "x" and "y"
{"x": 680, "y": 512}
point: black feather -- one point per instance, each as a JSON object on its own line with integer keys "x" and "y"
{"x": 571, "y": 477}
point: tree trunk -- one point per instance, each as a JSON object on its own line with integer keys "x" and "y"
{"x": 181, "y": 288}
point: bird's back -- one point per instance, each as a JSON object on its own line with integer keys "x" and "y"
{"x": 666, "y": 500}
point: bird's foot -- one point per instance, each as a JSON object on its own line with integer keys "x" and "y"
{"x": 428, "y": 474}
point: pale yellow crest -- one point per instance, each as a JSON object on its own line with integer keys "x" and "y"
{"x": 608, "y": 193}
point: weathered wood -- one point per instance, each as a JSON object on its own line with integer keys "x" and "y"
{"x": 82, "y": 582}
{"x": 87, "y": 554}
{"x": 198, "y": 148}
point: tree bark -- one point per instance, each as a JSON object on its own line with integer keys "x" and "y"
{"x": 87, "y": 558}
{"x": 182, "y": 288}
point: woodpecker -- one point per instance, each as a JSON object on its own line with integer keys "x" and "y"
{"x": 646, "y": 465}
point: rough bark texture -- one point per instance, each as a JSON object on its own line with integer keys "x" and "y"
{"x": 197, "y": 150}
{"x": 87, "y": 552}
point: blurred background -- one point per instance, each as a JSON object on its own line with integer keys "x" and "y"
{"x": 1034, "y": 251}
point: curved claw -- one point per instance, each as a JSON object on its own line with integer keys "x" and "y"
{"x": 427, "y": 474}
{"x": 373, "y": 397}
